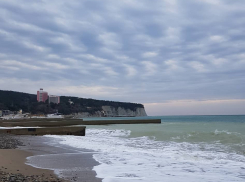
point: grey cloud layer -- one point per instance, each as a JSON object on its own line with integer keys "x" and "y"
{"x": 142, "y": 51}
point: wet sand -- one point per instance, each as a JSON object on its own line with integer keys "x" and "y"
{"x": 66, "y": 162}
{"x": 13, "y": 161}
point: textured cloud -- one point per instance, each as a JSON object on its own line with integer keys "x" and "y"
{"x": 139, "y": 51}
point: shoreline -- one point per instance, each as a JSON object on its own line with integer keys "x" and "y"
{"x": 43, "y": 159}
{"x": 13, "y": 164}
{"x": 66, "y": 162}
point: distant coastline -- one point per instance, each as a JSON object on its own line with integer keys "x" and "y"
{"x": 18, "y": 103}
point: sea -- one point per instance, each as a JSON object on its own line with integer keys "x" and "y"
{"x": 180, "y": 149}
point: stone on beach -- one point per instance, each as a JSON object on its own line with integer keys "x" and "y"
{"x": 9, "y": 142}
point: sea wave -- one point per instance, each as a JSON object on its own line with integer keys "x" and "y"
{"x": 146, "y": 159}
{"x": 216, "y": 136}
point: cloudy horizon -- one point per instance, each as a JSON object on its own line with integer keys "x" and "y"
{"x": 175, "y": 57}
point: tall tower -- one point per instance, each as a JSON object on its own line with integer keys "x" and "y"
{"x": 42, "y": 96}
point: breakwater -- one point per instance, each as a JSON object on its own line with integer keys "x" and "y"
{"x": 60, "y": 126}
{"x": 77, "y": 131}
{"x": 43, "y": 122}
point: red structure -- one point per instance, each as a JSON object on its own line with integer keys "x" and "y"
{"x": 42, "y": 96}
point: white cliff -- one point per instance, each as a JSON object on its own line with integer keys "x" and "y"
{"x": 109, "y": 111}
{"x": 112, "y": 111}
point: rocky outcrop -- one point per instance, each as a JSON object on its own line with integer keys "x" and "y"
{"x": 109, "y": 111}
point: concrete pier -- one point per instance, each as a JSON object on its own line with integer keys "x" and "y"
{"x": 78, "y": 131}
{"x": 68, "y": 122}
{"x": 55, "y": 122}
{"x": 107, "y": 122}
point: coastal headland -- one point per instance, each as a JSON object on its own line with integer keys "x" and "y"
{"x": 26, "y": 105}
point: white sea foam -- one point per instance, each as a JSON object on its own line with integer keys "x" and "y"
{"x": 216, "y": 132}
{"x": 18, "y": 127}
{"x": 145, "y": 159}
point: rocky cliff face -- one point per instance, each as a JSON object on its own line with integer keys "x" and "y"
{"x": 109, "y": 111}
{"x": 112, "y": 111}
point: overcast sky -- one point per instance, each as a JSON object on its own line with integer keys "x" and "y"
{"x": 174, "y": 56}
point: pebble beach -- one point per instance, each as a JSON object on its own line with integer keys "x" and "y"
{"x": 13, "y": 167}
{"x": 40, "y": 159}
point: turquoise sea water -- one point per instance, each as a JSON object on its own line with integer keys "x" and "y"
{"x": 181, "y": 148}
{"x": 226, "y": 130}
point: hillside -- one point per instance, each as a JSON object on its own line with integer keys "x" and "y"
{"x": 10, "y": 100}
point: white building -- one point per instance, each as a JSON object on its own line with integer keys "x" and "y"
{"x": 54, "y": 99}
